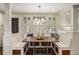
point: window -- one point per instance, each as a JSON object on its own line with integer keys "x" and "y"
{"x": 15, "y": 25}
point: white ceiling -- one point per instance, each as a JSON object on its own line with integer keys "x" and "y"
{"x": 33, "y": 7}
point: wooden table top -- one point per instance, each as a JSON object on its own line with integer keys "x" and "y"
{"x": 34, "y": 39}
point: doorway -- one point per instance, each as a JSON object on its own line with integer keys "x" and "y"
{"x": 1, "y": 39}
{"x": 1, "y": 33}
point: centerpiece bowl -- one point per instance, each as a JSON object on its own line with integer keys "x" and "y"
{"x": 40, "y": 36}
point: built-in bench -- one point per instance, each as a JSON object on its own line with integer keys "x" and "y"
{"x": 63, "y": 46}
{"x": 17, "y": 44}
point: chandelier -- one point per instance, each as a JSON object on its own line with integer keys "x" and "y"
{"x": 39, "y": 20}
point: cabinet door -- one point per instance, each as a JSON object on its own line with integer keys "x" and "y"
{"x": 16, "y": 52}
{"x": 65, "y": 52}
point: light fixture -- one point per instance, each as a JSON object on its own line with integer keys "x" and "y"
{"x": 39, "y": 20}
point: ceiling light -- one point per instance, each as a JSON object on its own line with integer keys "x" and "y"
{"x": 38, "y": 19}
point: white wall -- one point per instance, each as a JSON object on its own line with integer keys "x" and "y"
{"x": 75, "y": 40}
{"x": 65, "y": 26}
{"x": 75, "y": 44}
{"x": 71, "y": 37}
{"x": 33, "y": 28}
{"x": 1, "y": 29}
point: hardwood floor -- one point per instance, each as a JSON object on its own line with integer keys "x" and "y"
{"x": 1, "y": 50}
{"x": 40, "y": 51}
{"x": 30, "y": 51}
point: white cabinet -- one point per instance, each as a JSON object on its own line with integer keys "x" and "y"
{"x": 66, "y": 22}
{"x": 66, "y": 18}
